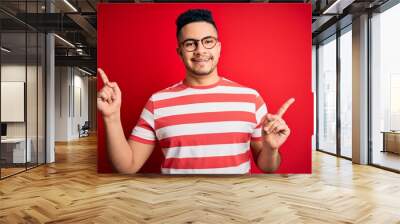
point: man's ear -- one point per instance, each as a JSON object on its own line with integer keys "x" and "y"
{"x": 178, "y": 50}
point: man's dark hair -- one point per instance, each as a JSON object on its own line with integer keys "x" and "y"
{"x": 193, "y": 15}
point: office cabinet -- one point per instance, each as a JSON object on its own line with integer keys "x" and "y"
{"x": 391, "y": 142}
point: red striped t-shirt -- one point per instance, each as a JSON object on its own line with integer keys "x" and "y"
{"x": 203, "y": 129}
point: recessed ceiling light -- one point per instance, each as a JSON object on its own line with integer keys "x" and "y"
{"x": 84, "y": 71}
{"x": 64, "y": 40}
{"x": 338, "y": 6}
{"x": 5, "y": 50}
{"x": 70, "y": 5}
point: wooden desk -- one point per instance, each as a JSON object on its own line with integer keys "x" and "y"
{"x": 391, "y": 141}
{"x": 13, "y": 150}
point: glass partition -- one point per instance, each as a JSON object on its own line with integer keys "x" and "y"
{"x": 22, "y": 88}
{"x": 13, "y": 95}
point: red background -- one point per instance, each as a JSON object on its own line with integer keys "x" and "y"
{"x": 265, "y": 46}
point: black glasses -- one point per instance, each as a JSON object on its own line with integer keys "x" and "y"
{"x": 192, "y": 44}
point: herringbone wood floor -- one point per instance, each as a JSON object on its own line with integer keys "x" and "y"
{"x": 70, "y": 191}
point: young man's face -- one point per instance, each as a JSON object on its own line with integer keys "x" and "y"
{"x": 200, "y": 61}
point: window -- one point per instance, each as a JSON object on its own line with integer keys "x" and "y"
{"x": 346, "y": 93}
{"x": 385, "y": 88}
{"x": 327, "y": 95}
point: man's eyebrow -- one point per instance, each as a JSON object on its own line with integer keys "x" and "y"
{"x": 207, "y": 36}
{"x": 197, "y": 39}
{"x": 190, "y": 39}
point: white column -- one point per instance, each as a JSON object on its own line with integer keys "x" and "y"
{"x": 50, "y": 109}
{"x": 50, "y": 92}
{"x": 360, "y": 89}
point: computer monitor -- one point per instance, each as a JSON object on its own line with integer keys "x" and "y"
{"x": 3, "y": 129}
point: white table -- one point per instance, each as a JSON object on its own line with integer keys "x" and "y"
{"x": 18, "y": 149}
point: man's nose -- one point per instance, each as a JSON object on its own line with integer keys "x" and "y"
{"x": 199, "y": 48}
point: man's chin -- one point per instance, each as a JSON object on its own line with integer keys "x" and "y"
{"x": 202, "y": 73}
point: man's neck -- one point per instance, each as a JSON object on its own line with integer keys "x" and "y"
{"x": 206, "y": 80}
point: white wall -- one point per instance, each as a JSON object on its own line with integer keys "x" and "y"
{"x": 70, "y": 84}
{"x": 61, "y": 103}
{"x": 14, "y": 72}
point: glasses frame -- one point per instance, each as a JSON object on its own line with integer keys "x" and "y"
{"x": 197, "y": 42}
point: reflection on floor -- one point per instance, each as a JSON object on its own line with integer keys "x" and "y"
{"x": 71, "y": 191}
{"x": 10, "y": 169}
{"x": 346, "y": 152}
{"x": 386, "y": 159}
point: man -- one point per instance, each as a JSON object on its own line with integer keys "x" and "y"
{"x": 204, "y": 124}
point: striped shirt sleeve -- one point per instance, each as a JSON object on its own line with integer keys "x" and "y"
{"x": 144, "y": 130}
{"x": 260, "y": 112}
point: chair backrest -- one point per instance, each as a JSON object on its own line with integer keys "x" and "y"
{"x": 86, "y": 125}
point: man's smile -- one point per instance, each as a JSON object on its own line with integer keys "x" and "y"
{"x": 200, "y": 60}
